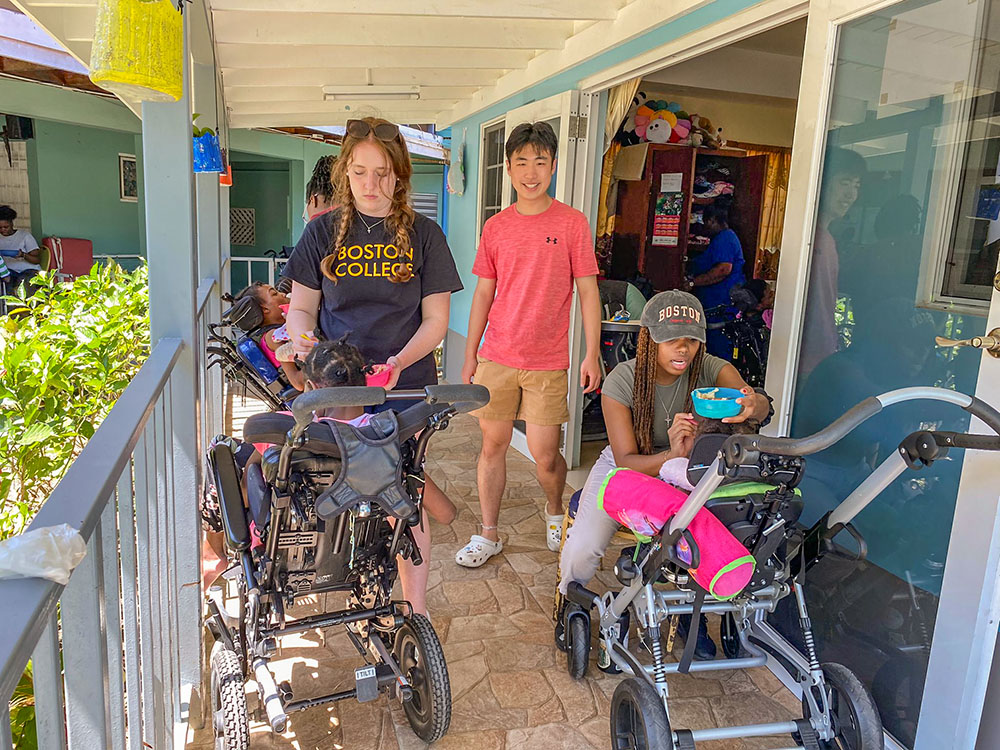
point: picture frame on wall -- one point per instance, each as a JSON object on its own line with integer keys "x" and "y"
{"x": 128, "y": 179}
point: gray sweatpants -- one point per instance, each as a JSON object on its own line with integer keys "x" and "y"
{"x": 591, "y": 532}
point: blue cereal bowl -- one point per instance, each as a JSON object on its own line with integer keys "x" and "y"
{"x": 716, "y": 403}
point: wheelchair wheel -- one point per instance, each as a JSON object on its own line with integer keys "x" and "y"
{"x": 856, "y": 720}
{"x": 577, "y": 647}
{"x": 421, "y": 658}
{"x": 638, "y": 718}
{"x": 730, "y": 637}
{"x": 229, "y": 701}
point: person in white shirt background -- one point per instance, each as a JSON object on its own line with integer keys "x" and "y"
{"x": 19, "y": 251}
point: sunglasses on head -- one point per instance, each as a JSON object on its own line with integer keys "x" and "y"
{"x": 384, "y": 131}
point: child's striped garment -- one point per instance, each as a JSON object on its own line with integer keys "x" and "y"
{"x": 4, "y": 272}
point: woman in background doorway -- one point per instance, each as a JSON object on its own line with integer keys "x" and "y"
{"x": 714, "y": 274}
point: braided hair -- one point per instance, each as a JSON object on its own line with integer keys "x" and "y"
{"x": 335, "y": 363}
{"x": 644, "y": 389}
{"x": 401, "y": 216}
{"x": 320, "y": 183}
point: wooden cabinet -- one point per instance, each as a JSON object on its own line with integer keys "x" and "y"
{"x": 660, "y": 247}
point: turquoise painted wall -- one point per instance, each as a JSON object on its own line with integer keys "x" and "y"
{"x": 462, "y": 209}
{"x": 73, "y": 173}
{"x": 263, "y": 186}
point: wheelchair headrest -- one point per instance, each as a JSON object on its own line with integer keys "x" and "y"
{"x": 245, "y": 314}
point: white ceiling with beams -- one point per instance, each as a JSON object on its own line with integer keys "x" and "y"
{"x": 305, "y": 63}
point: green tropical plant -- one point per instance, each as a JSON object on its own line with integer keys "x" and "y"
{"x": 22, "y": 713}
{"x": 66, "y": 353}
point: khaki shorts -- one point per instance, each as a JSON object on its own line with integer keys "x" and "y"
{"x": 535, "y": 396}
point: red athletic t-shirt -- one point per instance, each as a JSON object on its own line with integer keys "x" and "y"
{"x": 534, "y": 260}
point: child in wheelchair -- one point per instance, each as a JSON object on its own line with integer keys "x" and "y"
{"x": 273, "y": 306}
{"x": 246, "y": 346}
{"x": 331, "y": 364}
{"x": 331, "y": 502}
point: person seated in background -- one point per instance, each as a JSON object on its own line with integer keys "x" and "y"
{"x": 20, "y": 253}
{"x": 715, "y": 272}
{"x": 648, "y": 405}
{"x": 273, "y": 306}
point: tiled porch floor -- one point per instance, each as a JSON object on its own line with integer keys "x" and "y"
{"x": 509, "y": 683}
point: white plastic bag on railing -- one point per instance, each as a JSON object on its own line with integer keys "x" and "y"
{"x": 50, "y": 552}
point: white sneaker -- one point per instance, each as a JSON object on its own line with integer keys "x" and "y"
{"x": 553, "y": 531}
{"x": 477, "y": 551}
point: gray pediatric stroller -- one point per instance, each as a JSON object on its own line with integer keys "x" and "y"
{"x": 760, "y": 506}
{"x": 329, "y": 509}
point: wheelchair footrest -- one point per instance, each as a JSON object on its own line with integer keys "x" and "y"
{"x": 366, "y": 684}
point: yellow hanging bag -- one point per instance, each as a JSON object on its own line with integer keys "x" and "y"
{"x": 138, "y": 49}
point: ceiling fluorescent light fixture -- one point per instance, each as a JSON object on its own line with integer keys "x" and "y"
{"x": 370, "y": 93}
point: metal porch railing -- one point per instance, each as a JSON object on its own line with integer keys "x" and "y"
{"x": 105, "y": 648}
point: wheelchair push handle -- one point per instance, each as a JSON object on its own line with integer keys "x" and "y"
{"x": 737, "y": 447}
{"x": 462, "y": 398}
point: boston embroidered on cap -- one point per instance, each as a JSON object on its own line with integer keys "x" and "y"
{"x": 674, "y": 315}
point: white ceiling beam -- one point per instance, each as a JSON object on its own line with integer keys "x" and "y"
{"x": 320, "y": 120}
{"x": 277, "y": 56}
{"x": 77, "y": 24}
{"x": 246, "y": 27}
{"x": 360, "y": 76}
{"x": 634, "y": 19}
{"x": 568, "y": 10}
{"x": 52, "y": 22}
{"x": 358, "y": 108}
{"x": 315, "y": 93}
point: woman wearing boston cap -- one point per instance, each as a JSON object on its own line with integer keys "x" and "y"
{"x": 648, "y": 413}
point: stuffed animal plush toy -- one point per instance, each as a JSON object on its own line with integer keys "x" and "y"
{"x": 707, "y": 132}
{"x": 659, "y": 130}
{"x": 675, "y": 127}
{"x": 627, "y": 134}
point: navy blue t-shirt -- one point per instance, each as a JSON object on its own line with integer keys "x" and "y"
{"x": 380, "y": 315}
{"x": 724, "y": 248}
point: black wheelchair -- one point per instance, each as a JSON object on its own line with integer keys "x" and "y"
{"x": 329, "y": 509}
{"x": 235, "y": 346}
{"x": 749, "y": 483}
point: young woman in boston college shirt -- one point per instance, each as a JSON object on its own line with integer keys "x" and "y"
{"x": 382, "y": 274}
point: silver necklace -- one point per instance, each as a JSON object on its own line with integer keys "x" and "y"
{"x": 673, "y": 401}
{"x": 371, "y": 227}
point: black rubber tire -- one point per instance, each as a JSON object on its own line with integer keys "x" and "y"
{"x": 638, "y": 719}
{"x": 421, "y": 658}
{"x": 229, "y": 701}
{"x": 577, "y": 647}
{"x": 856, "y": 719}
{"x": 730, "y": 637}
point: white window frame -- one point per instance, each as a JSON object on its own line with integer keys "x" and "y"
{"x": 480, "y": 187}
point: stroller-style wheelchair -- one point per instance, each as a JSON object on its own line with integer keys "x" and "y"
{"x": 328, "y": 509}
{"x": 760, "y": 507}
{"x": 235, "y": 345}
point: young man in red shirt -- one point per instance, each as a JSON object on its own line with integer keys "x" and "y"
{"x": 529, "y": 257}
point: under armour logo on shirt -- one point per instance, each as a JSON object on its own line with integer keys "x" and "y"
{"x": 553, "y": 240}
